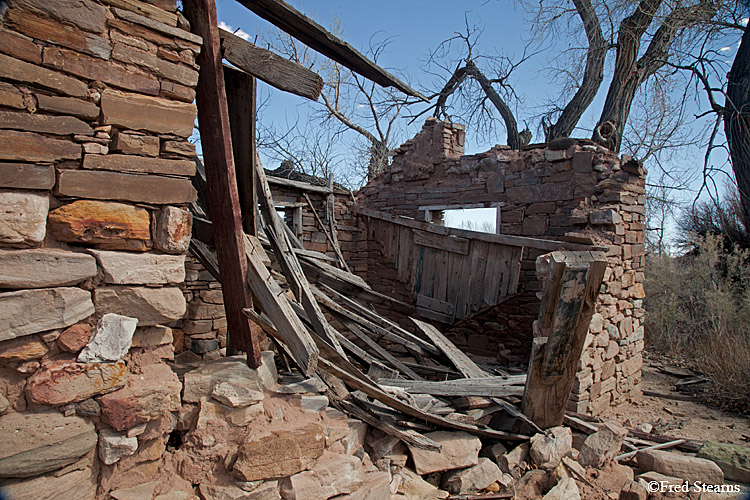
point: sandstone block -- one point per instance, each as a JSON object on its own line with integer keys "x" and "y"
{"x": 19, "y": 71}
{"x": 548, "y": 449}
{"x": 35, "y": 443}
{"x": 114, "y": 226}
{"x": 376, "y": 486}
{"x": 472, "y": 479}
{"x": 236, "y": 396}
{"x": 92, "y": 68}
{"x": 566, "y": 489}
{"x": 180, "y": 148}
{"x": 532, "y": 485}
{"x": 166, "y": 29}
{"x": 111, "y": 339}
{"x": 636, "y": 490}
{"x": 113, "y": 446}
{"x": 85, "y": 14}
{"x": 22, "y": 349}
{"x": 150, "y": 306}
{"x": 690, "y": 469}
{"x": 30, "y": 311}
{"x": 43, "y": 28}
{"x": 75, "y": 338}
{"x": 173, "y": 230}
{"x": 67, "y": 106}
{"x": 28, "y": 146}
{"x": 280, "y": 454}
{"x": 20, "y": 47}
{"x": 332, "y": 475}
{"x": 27, "y": 176}
{"x": 62, "y": 381}
{"x": 42, "y": 268}
{"x": 79, "y": 484}
{"x": 200, "y": 383}
{"x": 124, "y": 268}
{"x": 23, "y": 217}
{"x": 152, "y": 336}
{"x": 148, "y": 113}
{"x": 147, "y": 396}
{"x": 602, "y": 446}
{"x": 609, "y": 216}
{"x": 203, "y": 346}
{"x": 514, "y": 457}
{"x": 136, "y": 144}
{"x": 458, "y": 450}
{"x": 732, "y": 459}
{"x": 130, "y": 163}
{"x": 166, "y": 69}
{"x": 100, "y": 185}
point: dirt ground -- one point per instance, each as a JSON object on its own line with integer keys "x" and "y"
{"x": 682, "y": 419}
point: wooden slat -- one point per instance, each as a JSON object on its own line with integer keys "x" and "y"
{"x": 464, "y": 291}
{"x": 440, "y": 287}
{"x": 322, "y": 226}
{"x": 435, "y": 305}
{"x": 460, "y": 360}
{"x": 496, "y": 387}
{"x": 441, "y": 242}
{"x": 428, "y": 271}
{"x": 271, "y": 299}
{"x": 505, "y": 239}
{"x": 307, "y": 31}
{"x": 223, "y": 198}
{"x": 273, "y": 69}
{"x": 454, "y": 280}
{"x": 478, "y": 274}
{"x": 380, "y": 351}
{"x": 493, "y": 274}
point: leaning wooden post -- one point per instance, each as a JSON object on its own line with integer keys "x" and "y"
{"x": 571, "y": 282}
{"x": 223, "y": 200}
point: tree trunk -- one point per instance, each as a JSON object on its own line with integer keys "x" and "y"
{"x": 593, "y": 74}
{"x": 737, "y": 120}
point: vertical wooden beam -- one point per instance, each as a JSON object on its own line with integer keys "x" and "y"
{"x": 241, "y": 101}
{"x": 571, "y": 287}
{"x": 223, "y": 200}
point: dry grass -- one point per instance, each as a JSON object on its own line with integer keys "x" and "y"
{"x": 698, "y": 309}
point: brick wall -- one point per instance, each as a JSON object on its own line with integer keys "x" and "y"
{"x": 95, "y": 166}
{"x": 568, "y": 190}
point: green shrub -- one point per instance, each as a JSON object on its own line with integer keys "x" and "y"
{"x": 698, "y": 308}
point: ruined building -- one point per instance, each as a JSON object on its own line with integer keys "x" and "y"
{"x": 114, "y": 380}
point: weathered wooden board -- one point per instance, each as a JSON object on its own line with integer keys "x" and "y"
{"x": 450, "y": 243}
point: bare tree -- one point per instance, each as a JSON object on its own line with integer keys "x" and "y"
{"x": 468, "y": 93}
{"x": 348, "y": 103}
{"x": 737, "y": 120}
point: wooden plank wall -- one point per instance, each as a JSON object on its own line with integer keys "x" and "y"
{"x": 450, "y": 277}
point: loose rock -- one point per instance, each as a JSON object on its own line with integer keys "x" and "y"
{"x": 111, "y": 340}
{"x": 113, "y": 446}
{"x": 458, "y": 450}
{"x": 548, "y": 449}
{"x": 472, "y": 479}
{"x": 602, "y": 445}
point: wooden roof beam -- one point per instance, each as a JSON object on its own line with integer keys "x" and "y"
{"x": 284, "y": 16}
{"x": 273, "y": 69}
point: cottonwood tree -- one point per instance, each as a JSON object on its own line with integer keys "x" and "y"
{"x": 642, "y": 36}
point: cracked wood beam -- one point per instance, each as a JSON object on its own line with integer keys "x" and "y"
{"x": 223, "y": 199}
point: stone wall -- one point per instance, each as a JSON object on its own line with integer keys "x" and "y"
{"x": 95, "y": 166}
{"x": 570, "y": 190}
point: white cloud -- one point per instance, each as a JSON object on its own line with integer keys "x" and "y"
{"x": 725, "y": 49}
{"x": 240, "y": 32}
{"x": 743, "y": 22}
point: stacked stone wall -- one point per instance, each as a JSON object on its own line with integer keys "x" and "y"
{"x": 570, "y": 190}
{"x": 96, "y": 107}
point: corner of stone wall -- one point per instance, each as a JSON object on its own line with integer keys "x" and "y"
{"x": 96, "y": 107}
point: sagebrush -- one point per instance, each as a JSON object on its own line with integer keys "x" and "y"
{"x": 698, "y": 309}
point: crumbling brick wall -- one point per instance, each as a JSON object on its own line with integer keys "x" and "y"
{"x": 569, "y": 190}
{"x": 96, "y": 105}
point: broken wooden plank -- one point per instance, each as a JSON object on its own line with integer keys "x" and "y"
{"x": 660, "y": 446}
{"x": 322, "y": 226}
{"x": 572, "y": 281}
{"x": 307, "y": 31}
{"x": 241, "y": 96}
{"x": 223, "y": 197}
{"x": 273, "y": 69}
{"x": 460, "y": 360}
{"x": 439, "y": 310}
{"x": 506, "y": 239}
{"x": 379, "y": 320}
{"x": 384, "y": 354}
{"x": 441, "y": 242}
{"x": 483, "y": 387}
{"x": 271, "y": 299}
{"x": 301, "y": 252}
